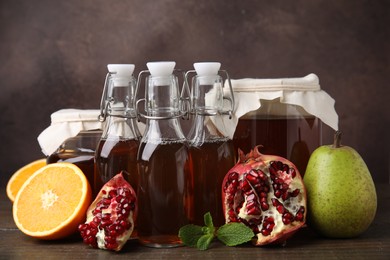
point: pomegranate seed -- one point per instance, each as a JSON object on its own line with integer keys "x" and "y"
{"x": 264, "y": 206}
{"x": 299, "y": 216}
{"x": 125, "y": 213}
{"x": 262, "y": 176}
{"x": 265, "y": 232}
{"x": 286, "y": 221}
{"x": 83, "y": 227}
{"x": 233, "y": 218}
{"x": 112, "y": 194}
{"x": 105, "y": 223}
{"x": 252, "y": 177}
{"x": 123, "y": 223}
{"x": 295, "y": 193}
{"x": 255, "y": 221}
{"x": 106, "y": 201}
{"x": 119, "y": 229}
{"x": 285, "y": 196}
{"x": 278, "y": 180}
{"x": 277, "y": 193}
{"x": 245, "y": 185}
{"x": 279, "y": 165}
{"x": 253, "y": 211}
{"x": 96, "y": 211}
{"x": 106, "y": 217}
{"x": 280, "y": 209}
{"x": 233, "y": 176}
{"x": 292, "y": 172}
{"x": 273, "y": 172}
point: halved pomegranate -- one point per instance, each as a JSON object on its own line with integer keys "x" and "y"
{"x": 266, "y": 193}
{"x": 111, "y": 216}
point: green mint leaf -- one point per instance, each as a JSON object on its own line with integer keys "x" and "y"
{"x": 190, "y": 234}
{"x": 232, "y": 234}
{"x": 208, "y": 220}
{"x": 204, "y": 241}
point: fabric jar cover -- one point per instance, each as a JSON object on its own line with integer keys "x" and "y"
{"x": 304, "y": 92}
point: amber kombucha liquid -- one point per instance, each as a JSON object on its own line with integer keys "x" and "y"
{"x": 114, "y": 156}
{"x": 210, "y": 163}
{"x": 164, "y": 193}
{"x": 291, "y": 138}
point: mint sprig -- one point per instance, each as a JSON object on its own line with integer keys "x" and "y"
{"x": 231, "y": 234}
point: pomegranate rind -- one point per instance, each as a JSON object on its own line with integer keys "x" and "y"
{"x": 254, "y": 160}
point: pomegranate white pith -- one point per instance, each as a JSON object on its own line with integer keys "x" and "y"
{"x": 267, "y": 194}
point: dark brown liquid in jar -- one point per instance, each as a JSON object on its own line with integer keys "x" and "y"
{"x": 210, "y": 163}
{"x": 294, "y": 138}
{"x": 164, "y": 198}
{"x": 79, "y": 150}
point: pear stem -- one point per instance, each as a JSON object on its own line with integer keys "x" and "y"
{"x": 337, "y": 139}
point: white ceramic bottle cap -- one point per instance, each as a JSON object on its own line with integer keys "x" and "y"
{"x": 161, "y": 68}
{"x": 207, "y": 68}
{"x": 123, "y": 70}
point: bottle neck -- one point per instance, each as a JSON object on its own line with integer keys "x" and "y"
{"x": 203, "y": 130}
{"x": 120, "y": 127}
{"x": 163, "y": 131}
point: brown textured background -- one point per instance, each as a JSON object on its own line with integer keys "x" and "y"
{"x": 53, "y": 55}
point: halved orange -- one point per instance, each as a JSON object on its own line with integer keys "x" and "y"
{"x": 20, "y": 176}
{"x": 52, "y": 202}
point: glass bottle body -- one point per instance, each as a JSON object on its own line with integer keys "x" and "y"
{"x": 210, "y": 162}
{"x": 165, "y": 184}
{"x": 117, "y": 151}
{"x": 212, "y": 156}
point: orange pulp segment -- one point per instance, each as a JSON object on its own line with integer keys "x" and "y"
{"x": 20, "y": 176}
{"x": 52, "y": 202}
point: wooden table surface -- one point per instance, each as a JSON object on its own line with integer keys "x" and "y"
{"x": 373, "y": 244}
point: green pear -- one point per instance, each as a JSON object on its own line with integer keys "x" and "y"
{"x": 341, "y": 194}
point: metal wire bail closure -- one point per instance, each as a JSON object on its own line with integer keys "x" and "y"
{"x": 215, "y": 93}
{"x": 183, "y": 99}
{"x": 119, "y": 77}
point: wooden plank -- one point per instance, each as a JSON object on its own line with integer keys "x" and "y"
{"x": 374, "y": 244}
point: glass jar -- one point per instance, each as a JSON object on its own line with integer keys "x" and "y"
{"x": 79, "y": 150}
{"x": 284, "y": 115}
{"x": 281, "y": 129}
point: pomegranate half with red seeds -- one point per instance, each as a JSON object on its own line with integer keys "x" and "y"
{"x": 266, "y": 193}
{"x": 111, "y": 216}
